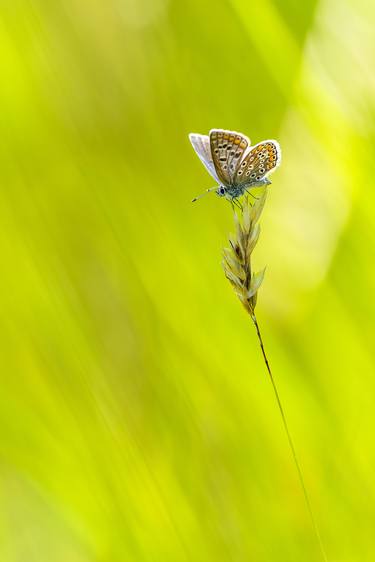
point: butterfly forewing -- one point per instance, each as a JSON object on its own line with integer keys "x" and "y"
{"x": 201, "y": 145}
{"x": 262, "y": 159}
{"x": 227, "y": 149}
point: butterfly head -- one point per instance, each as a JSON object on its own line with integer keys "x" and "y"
{"x": 221, "y": 191}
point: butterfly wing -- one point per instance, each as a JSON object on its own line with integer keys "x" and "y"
{"x": 262, "y": 159}
{"x": 201, "y": 145}
{"x": 227, "y": 149}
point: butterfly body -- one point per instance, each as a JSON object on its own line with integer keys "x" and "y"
{"x": 236, "y": 191}
{"x": 234, "y": 163}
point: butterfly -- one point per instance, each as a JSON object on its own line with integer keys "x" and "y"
{"x": 234, "y": 163}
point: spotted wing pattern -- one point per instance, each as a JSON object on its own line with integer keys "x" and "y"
{"x": 227, "y": 149}
{"x": 201, "y": 145}
{"x": 262, "y": 159}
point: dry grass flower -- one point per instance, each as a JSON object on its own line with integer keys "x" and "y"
{"x": 237, "y": 258}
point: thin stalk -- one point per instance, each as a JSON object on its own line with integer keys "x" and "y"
{"x": 291, "y": 444}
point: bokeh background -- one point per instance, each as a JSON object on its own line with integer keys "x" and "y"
{"x": 137, "y": 423}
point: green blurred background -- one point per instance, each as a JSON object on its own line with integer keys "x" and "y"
{"x": 136, "y": 419}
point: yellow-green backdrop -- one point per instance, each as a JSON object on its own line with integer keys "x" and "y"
{"x": 137, "y": 423}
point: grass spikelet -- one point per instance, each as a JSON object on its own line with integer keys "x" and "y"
{"x": 237, "y": 258}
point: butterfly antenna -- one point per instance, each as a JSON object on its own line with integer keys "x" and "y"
{"x": 204, "y": 193}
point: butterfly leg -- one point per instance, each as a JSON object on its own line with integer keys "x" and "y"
{"x": 237, "y": 203}
{"x": 253, "y": 196}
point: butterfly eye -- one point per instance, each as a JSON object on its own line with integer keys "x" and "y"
{"x": 222, "y": 191}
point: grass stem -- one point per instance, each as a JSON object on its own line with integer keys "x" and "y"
{"x": 291, "y": 444}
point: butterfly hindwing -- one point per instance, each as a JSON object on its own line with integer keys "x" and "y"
{"x": 262, "y": 159}
{"x": 227, "y": 149}
{"x": 201, "y": 145}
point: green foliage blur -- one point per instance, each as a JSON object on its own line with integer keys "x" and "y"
{"x": 137, "y": 423}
